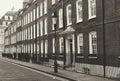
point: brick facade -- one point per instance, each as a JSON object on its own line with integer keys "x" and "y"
{"x": 107, "y": 36}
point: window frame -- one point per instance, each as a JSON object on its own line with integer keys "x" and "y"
{"x": 80, "y": 35}
{"x": 77, "y": 12}
{"x": 60, "y": 18}
{"x": 46, "y": 48}
{"x": 42, "y": 50}
{"x": 60, "y": 44}
{"x": 53, "y": 45}
{"x": 45, "y": 26}
{"x": 69, "y": 13}
{"x": 41, "y": 27}
{"x": 91, "y": 44}
{"x": 45, "y": 6}
{"x": 90, "y": 16}
{"x": 53, "y": 2}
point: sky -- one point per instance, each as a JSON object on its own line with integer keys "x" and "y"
{"x": 7, "y": 5}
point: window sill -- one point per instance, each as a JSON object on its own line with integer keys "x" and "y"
{"x": 60, "y": 27}
{"x": 80, "y": 56}
{"x": 79, "y": 21}
{"x": 69, "y": 24}
{"x": 92, "y": 17}
{"x": 53, "y": 4}
{"x": 91, "y": 57}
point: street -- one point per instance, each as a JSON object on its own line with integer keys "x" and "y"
{"x": 11, "y": 72}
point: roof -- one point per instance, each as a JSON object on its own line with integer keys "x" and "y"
{"x": 10, "y": 13}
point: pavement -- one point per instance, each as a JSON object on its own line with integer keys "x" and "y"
{"x": 69, "y": 75}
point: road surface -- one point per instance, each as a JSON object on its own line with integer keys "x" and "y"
{"x": 13, "y": 72}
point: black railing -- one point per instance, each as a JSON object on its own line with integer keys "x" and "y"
{"x": 7, "y": 55}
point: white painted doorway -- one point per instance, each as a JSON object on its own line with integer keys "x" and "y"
{"x": 70, "y": 50}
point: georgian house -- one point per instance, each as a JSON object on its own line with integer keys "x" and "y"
{"x": 5, "y": 20}
{"x": 85, "y": 37}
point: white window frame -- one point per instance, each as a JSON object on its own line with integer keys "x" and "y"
{"x": 26, "y": 34}
{"x": 53, "y": 45}
{"x": 34, "y": 14}
{"x": 31, "y": 16}
{"x": 79, "y": 11}
{"x": 90, "y": 10}
{"x": 46, "y": 48}
{"x": 45, "y": 25}
{"x": 11, "y": 17}
{"x": 60, "y": 44}
{"x": 45, "y": 6}
{"x": 80, "y": 43}
{"x": 31, "y": 32}
{"x": 42, "y": 51}
{"x": 91, "y": 44}
{"x": 25, "y": 19}
{"x": 38, "y": 29}
{"x": 41, "y": 9}
{"x": 37, "y": 11}
{"x": 41, "y": 27}
{"x": 34, "y": 30}
{"x": 38, "y": 47}
{"x": 53, "y": 2}
{"x": 28, "y": 17}
{"x": 53, "y": 22}
{"x": 28, "y": 48}
{"x": 6, "y": 17}
{"x": 69, "y": 14}
{"x": 60, "y": 18}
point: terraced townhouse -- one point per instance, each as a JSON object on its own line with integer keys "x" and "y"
{"x": 84, "y": 35}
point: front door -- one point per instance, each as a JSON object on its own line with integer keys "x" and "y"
{"x": 70, "y": 50}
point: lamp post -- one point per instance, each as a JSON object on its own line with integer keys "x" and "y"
{"x": 55, "y": 17}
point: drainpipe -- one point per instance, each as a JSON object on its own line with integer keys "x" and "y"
{"x": 104, "y": 41}
{"x": 64, "y": 56}
{"x": 36, "y": 58}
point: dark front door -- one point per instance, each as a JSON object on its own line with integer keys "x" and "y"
{"x": 71, "y": 51}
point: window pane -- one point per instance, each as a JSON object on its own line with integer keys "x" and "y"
{"x": 92, "y": 8}
{"x": 93, "y": 43}
{"x": 79, "y": 10}
{"x": 69, "y": 14}
{"x": 61, "y": 44}
{"x": 80, "y": 43}
{"x": 60, "y": 18}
